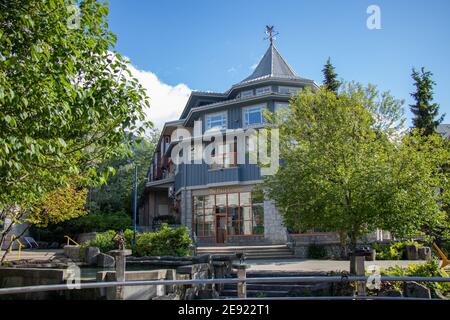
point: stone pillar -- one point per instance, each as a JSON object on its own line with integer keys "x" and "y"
{"x": 274, "y": 230}
{"x": 120, "y": 257}
{"x": 360, "y": 270}
{"x": 241, "y": 286}
{"x": 186, "y": 208}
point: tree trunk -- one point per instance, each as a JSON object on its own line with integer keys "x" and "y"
{"x": 11, "y": 243}
{"x": 353, "y": 243}
{"x": 343, "y": 244}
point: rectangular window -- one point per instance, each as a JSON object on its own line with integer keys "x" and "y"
{"x": 253, "y": 116}
{"x": 263, "y": 90}
{"x": 281, "y": 107}
{"x": 224, "y": 156}
{"x": 244, "y": 212}
{"x": 288, "y": 90}
{"x": 216, "y": 121}
{"x": 246, "y": 94}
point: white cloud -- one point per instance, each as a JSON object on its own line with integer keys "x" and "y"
{"x": 166, "y": 101}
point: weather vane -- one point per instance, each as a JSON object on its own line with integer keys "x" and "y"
{"x": 271, "y": 33}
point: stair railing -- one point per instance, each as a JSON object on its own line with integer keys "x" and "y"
{"x": 69, "y": 239}
{"x": 19, "y": 250}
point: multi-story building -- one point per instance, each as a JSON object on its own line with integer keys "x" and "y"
{"x": 219, "y": 201}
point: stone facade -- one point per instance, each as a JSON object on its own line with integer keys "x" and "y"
{"x": 274, "y": 230}
{"x": 186, "y": 208}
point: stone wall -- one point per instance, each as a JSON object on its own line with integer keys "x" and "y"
{"x": 274, "y": 230}
{"x": 301, "y": 242}
{"x": 145, "y": 292}
{"x": 21, "y": 277}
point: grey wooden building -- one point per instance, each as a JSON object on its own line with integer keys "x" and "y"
{"x": 219, "y": 203}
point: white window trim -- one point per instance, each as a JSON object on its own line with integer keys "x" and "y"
{"x": 224, "y": 113}
{"x": 244, "y": 109}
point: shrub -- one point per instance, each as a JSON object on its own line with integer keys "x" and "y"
{"x": 392, "y": 251}
{"x": 430, "y": 269}
{"x": 104, "y": 241}
{"x": 317, "y": 251}
{"x": 166, "y": 242}
{"x": 94, "y": 221}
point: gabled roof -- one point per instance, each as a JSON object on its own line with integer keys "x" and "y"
{"x": 272, "y": 65}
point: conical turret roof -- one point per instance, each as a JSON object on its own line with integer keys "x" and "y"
{"x": 272, "y": 65}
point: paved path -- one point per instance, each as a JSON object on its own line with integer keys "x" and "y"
{"x": 318, "y": 265}
{"x": 35, "y": 254}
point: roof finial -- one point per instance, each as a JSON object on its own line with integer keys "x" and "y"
{"x": 271, "y": 33}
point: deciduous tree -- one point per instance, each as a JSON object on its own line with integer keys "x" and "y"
{"x": 349, "y": 168}
{"x": 67, "y": 101}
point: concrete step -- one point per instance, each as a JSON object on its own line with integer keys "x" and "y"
{"x": 251, "y": 252}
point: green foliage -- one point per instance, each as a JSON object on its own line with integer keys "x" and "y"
{"x": 348, "y": 168}
{"x": 92, "y": 222}
{"x": 104, "y": 241}
{"x": 67, "y": 101}
{"x": 330, "y": 81}
{"x": 317, "y": 251}
{"x": 117, "y": 193}
{"x": 430, "y": 269}
{"x": 392, "y": 251}
{"x": 166, "y": 242}
{"x": 424, "y": 110}
{"x": 100, "y": 222}
{"x": 59, "y": 206}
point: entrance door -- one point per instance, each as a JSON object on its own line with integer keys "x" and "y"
{"x": 221, "y": 228}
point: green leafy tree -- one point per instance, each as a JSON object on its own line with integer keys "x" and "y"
{"x": 330, "y": 77}
{"x": 424, "y": 110}
{"x": 67, "y": 102}
{"x": 348, "y": 168}
{"x": 116, "y": 195}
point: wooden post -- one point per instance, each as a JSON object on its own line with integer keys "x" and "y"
{"x": 360, "y": 271}
{"x": 120, "y": 257}
{"x": 241, "y": 286}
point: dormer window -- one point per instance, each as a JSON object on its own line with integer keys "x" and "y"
{"x": 216, "y": 121}
{"x": 263, "y": 90}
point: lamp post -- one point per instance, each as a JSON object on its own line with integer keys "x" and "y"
{"x": 135, "y": 204}
{"x": 134, "y": 192}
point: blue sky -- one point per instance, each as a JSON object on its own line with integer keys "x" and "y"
{"x": 209, "y": 45}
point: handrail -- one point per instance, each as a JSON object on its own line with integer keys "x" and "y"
{"x": 91, "y": 285}
{"x": 19, "y": 250}
{"x": 445, "y": 260}
{"x": 70, "y": 239}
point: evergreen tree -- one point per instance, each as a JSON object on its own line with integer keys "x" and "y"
{"x": 330, "y": 77}
{"x": 424, "y": 110}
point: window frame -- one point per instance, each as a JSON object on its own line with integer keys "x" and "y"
{"x": 244, "y": 112}
{"x": 290, "y": 90}
{"x": 247, "y": 94}
{"x": 225, "y": 120}
{"x": 263, "y": 90}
